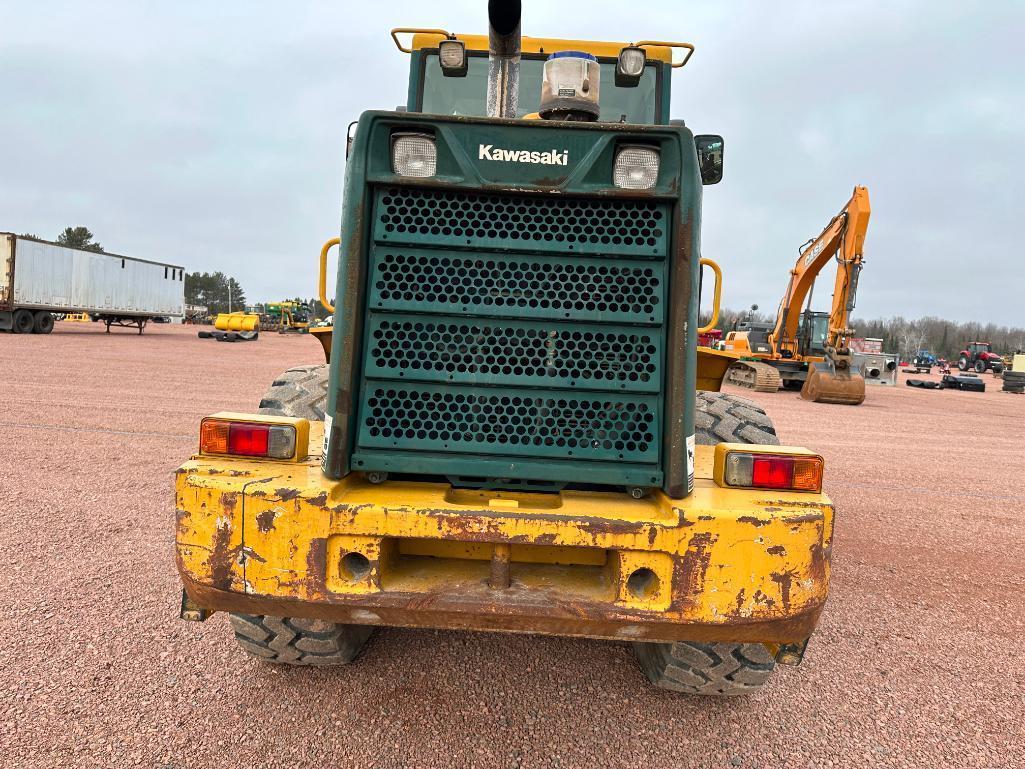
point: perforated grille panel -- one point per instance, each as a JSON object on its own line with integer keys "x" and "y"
{"x": 517, "y": 331}
{"x": 549, "y": 223}
{"x": 539, "y": 354}
{"x": 509, "y": 422}
{"x": 545, "y": 286}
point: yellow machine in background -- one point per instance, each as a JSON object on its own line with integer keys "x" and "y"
{"x": 286, "y": 317}
{"x": 792, "y": 351}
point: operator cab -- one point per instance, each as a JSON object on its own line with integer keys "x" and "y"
{"x": 448, "y": 75}
{"x": 813, "y": 334}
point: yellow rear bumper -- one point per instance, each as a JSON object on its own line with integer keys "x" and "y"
{"x": 724, "y": 564}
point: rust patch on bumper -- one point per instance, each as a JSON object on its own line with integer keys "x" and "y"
{"x": 694, "y": 564}
{"x": 513, "y": 611}
{"x": 220, "y": 560}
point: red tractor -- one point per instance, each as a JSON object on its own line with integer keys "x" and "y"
{"x": 980, "y": 356}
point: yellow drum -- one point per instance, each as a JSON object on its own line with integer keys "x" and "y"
{"x": 237, "y": 321}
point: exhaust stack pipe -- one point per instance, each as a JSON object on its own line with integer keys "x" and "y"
{"x": 503, "y": 57}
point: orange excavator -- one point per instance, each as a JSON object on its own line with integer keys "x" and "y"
{"x": 806, "y": 348}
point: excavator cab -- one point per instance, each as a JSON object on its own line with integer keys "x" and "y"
{"x": 814, "y": 333}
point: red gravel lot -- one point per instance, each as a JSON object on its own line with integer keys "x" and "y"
{"x": 918, "y": 660}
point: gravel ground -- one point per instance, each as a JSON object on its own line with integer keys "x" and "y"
{"x": 917, "y": 662}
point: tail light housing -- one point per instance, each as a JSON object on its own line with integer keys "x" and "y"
{"x": 783, "y": 468}
{"x": 255, "y": 436}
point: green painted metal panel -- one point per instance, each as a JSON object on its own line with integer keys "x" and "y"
{"x": 507, "y": 285}
{"x": 442, "y": 217}
{"x": 479, "y": 467}
{"x": 413, "y": 416}
{"x": 462, "y": 255}
{"x": 501, "y": 352}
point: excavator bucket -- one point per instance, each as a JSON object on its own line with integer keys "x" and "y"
{"x": 828, "y": 384}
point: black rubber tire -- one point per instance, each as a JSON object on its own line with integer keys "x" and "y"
{"x": 204, "y": 334}
{"x": 980, "y": 366}
{"x": 715, "y": 669}
{"x": 42, "y": 323}
{"x": 298, "y": 392}
{"x": 725, "y": 418}
{"x": 719, "y": 669}
{"x": 23, "y": 322}
{"x": 296, "y": 641}
{"x": 962, "y": 363}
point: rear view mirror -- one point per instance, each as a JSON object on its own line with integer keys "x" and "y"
{"x": 350, "y": 137}
{"x": 710, "y": 149}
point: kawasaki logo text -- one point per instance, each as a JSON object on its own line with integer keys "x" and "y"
{"x": 550, "y": 158}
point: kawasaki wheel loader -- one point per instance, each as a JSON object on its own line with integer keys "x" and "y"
{"x": 510, "y": 434}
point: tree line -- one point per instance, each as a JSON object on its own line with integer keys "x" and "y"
{"x": 214, "y": 290}
{"x": 73, "y": 237}
{"x": 944, "y": 338}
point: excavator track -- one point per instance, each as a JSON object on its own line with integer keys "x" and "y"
{"x": 754, "y": 375}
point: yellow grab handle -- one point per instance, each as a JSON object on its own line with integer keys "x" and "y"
{"x": 323, "y": 273}
{"x": 688, "y": 49}
{"x": 416, "y": 31}
{"x": 716, "y": 296}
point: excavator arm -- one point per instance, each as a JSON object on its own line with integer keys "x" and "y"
{"x": 843, "y": 239}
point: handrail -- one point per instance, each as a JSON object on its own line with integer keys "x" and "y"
{"x": 688, "y": 47}
{"x": 716, "y": 296}
{"x": 323, "y": 273}
{"x": 413, "y": 31}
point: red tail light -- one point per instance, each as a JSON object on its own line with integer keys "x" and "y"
{"x": 790, "y": 472}
{"x": 250, "y": 439}
{"x": 772, "y": 472}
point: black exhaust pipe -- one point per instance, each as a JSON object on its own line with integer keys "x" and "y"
{"x": 504, "y": 57}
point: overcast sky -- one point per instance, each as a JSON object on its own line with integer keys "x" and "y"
{"x": 212, "y": 133}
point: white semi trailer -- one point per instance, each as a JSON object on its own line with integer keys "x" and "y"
{"x": 39, "y": 279}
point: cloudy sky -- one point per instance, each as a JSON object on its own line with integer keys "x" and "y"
{"x": 212, "y": 133}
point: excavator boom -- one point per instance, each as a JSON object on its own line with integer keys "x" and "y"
{"x": 833, "y": 380}
{"x": 844, "y": 239}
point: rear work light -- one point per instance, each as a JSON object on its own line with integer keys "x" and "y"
{"x": 240, "y": 436}
{"x": 414, "y": 154}
{"x": 635, "y": 167}
{"x": 783, "y": 469}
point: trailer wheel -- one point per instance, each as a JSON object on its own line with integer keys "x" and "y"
{"x": 718, "y": 669}
{"x": 299, "y": 392}
{"x": 23, "y": 322}
{"x": 298, "y": 641}
{"x": 43, "y": 323}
